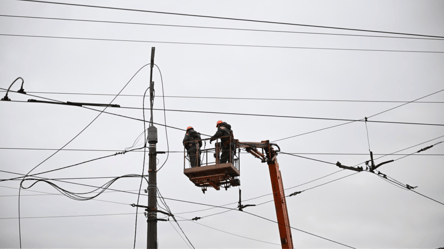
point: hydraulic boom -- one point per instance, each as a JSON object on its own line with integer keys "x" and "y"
{"x": 269, "y": 155}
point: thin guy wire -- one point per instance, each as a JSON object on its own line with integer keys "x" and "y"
{"x": 240, "y": 236}
{"x": 329, "y": 127}
{"x": 216, "y": 28}
{"x": 221, "y": 44}
{"x": 179, "y": 234}
{"x": 406, "y": 103}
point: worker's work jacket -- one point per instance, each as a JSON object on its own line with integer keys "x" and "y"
{"x": 192, "y": 139}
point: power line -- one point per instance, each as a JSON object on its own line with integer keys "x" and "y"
{"x": 233, "y": 19}
{"x": 69, "y": 166}
{"x": 101, "y": 111}
{"x": 66, "y": 144}
{"x": 239, "y": 98}
{"x": 237, "y": 235}
{"x": 184, "y": 201}
{"x": 181, "y": 152}
{"x": 65, "y": 216}
{"x": 215, "y": 28}
{"x": 312, "y": 234}
{"x": 360, "y": 120}
{"x": 220, "y": 44}
{"x": 268, "y": 116}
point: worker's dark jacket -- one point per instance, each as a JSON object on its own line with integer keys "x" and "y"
{"x": 191, "y": 139}
{"x": 225, "y": 134}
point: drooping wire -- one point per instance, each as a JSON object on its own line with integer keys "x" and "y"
{"x": 80, "y": 195}
{"x": 164, "y": 118}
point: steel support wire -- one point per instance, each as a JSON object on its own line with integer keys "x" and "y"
{"x": 72, "y": 38}
{"x": 231, "y": 18}
{"x": 216, "y": 28}
{"x": 362, "y": 119}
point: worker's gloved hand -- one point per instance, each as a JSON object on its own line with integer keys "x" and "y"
{"x": 211, "y": 140}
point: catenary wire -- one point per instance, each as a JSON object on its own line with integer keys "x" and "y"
{"x": 360, "y": 120}
{"x": 334, "y": 180}
{"x": 109, "y": 113}
{"x": 236, "y": 98}
{"x": 269, "y": 116}
{"x": 220, "y": 44}
{"x": 216, "y": 28}
{"x": 232, "y": 19}
{"x": 181, "y": 152}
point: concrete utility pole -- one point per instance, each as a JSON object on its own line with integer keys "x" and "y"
{"x": 152, "y": 171}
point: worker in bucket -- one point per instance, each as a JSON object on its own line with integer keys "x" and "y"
{"x": 225, "y": 134}
{"x": 192, "y": 143}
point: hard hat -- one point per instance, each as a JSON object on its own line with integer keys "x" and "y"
{"x": 219, "y": 122}
{"x": 189, "y": 127}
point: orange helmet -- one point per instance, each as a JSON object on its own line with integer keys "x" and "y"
{"x": 189, "y": 127}
{"x": 219, "y": 122}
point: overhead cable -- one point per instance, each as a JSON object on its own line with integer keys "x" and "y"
{"x": 238, "y": 98}
{"x": 217, "y": 28}
{"x": 266, "y": 115}
{"x": 221, "y": 44}
{"x": 181, "y": 152}
{"x": 66, "y": 144}
{"x": 70, "y": 166}
{"x": 360, "y": 120}
{"x": 232, "y": 19}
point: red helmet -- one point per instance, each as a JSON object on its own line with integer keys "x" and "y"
{"x": 189, "y": 127}
{"x": 219, "y": 122}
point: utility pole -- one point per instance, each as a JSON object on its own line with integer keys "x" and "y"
{"x": 152, "y": 171}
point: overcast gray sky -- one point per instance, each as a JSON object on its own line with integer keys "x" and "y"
{"x": 290, "y": 67}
